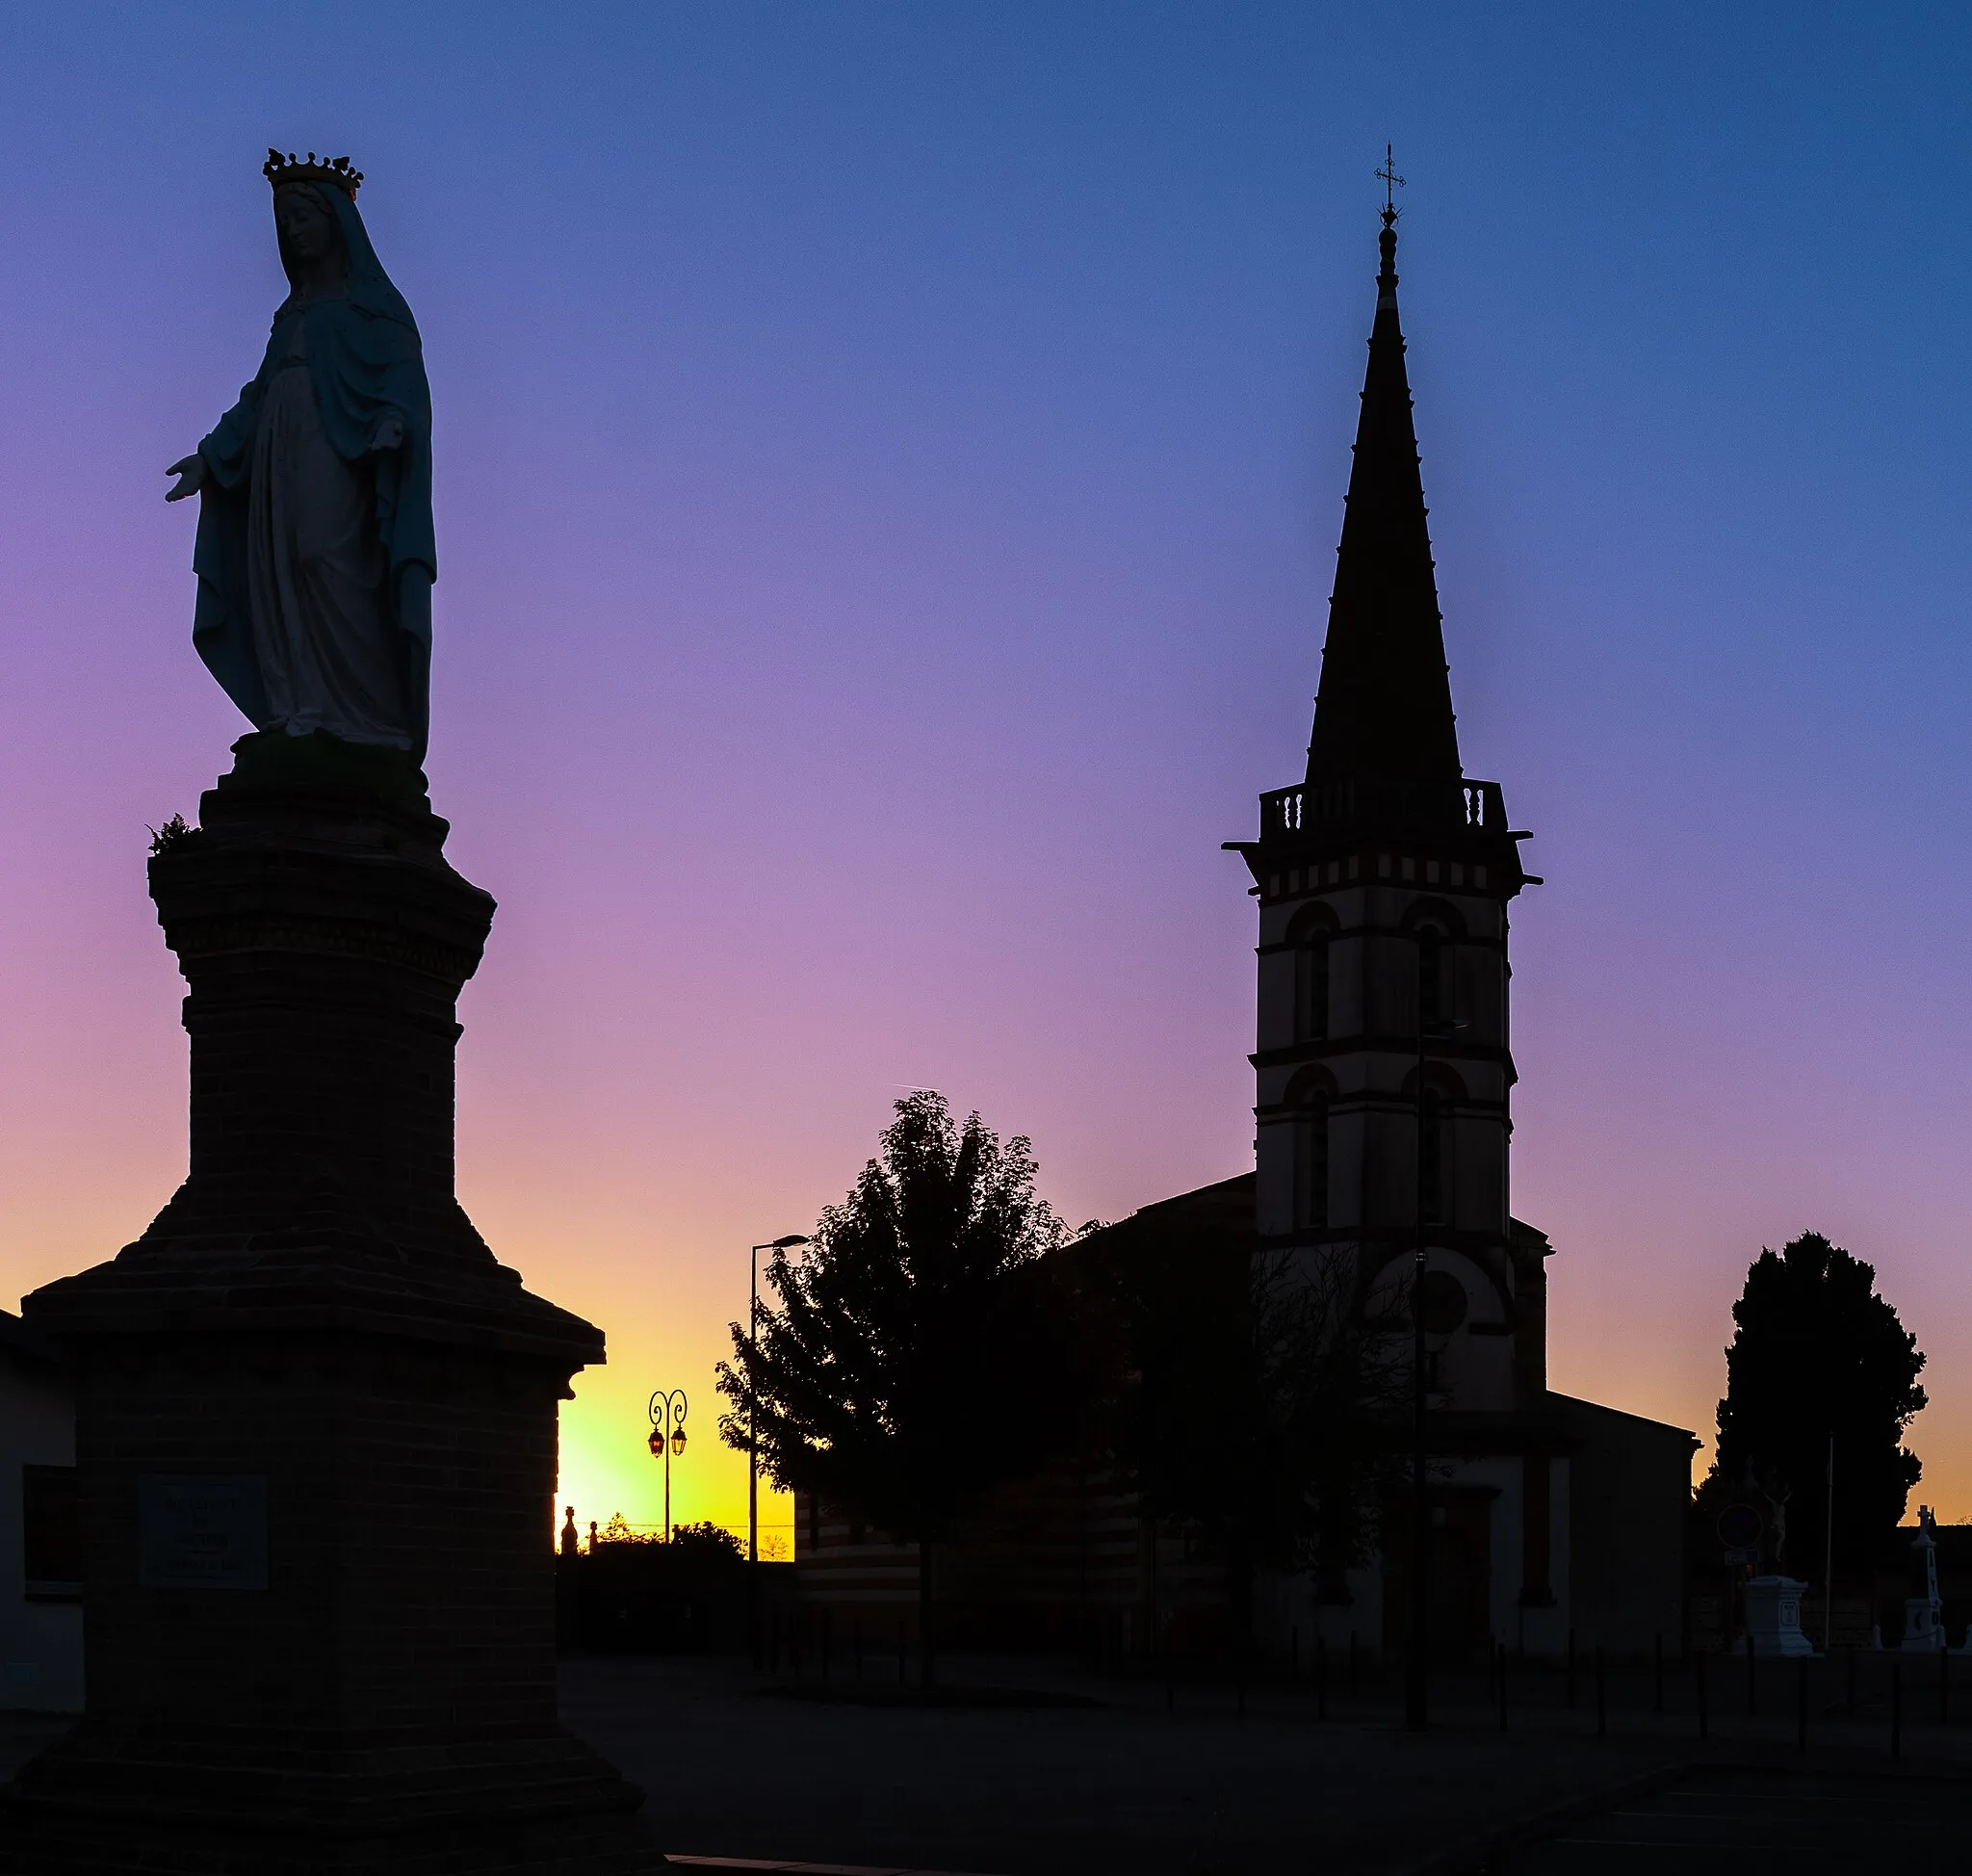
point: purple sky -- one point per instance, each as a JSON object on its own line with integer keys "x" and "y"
{"x": 890, "y": 461}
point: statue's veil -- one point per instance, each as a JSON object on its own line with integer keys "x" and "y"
{"x": 371, "y": 290}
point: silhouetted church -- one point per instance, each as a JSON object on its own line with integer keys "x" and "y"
{"x": 1383, "y": 883}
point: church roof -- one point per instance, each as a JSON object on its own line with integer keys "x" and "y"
{"x": 27, "y": 1347}
{"x": 1385, "y": 709}
{"x": 1220, "y": 1217}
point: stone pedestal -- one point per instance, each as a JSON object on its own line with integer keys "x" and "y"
{"x": 1773, "y": 1616}
{"x": 1924, "y": 1625}
{"x": 316, "y": 1419}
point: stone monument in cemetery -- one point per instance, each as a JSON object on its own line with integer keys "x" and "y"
{"x": 316, "y": 1418}
{"x": 1772, "y": 1615}
{"x": 1924, "y": 1614}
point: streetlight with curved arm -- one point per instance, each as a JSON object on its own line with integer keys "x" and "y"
{"x": 667, "y": 1410}
{"x": 752, "y": 1436}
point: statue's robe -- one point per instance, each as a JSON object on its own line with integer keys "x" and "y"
{"x": 305, "y": 614}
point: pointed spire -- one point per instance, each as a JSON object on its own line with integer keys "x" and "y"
{"x": 1385, "y": 710}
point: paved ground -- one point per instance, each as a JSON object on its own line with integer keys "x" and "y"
{"x": 23, "y": 1734}
{"x": 734, "y": 1770}
{"x": 1726, "y": 1822}
{"x": 1105, "y": 1779}
{"x": 1122, "y": 1786}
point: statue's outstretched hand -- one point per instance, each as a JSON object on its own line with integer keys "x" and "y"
{"x": 389, "y": 434}
{"x": 190, "y": 473}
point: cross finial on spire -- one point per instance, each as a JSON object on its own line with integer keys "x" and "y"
{"x": 1391, "y": 183}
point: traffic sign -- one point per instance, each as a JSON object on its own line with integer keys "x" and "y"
{"x": 1740, "y": 1527}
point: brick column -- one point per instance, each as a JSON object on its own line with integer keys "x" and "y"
{"x": 316, "y": 1418}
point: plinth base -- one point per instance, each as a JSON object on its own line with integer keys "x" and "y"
{"x": 314, "y": 1417}
{"x": 112, "y": 1801}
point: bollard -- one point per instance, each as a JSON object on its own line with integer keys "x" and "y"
{"x": 1698, "y": 1671}
{"x": 774, "y": 1617}
{"x": 794, "y": 1644}
{"x": 1752, "y": 1691}
{"x": 1571, "y": 1670}
{"x": 1500, "y": 1671}
{"x": 1800, "y": 1707}
{"x": 1851, "y": 1683}
{"x": 1294, "y": 1653}
{"x": 1355, "y": 1672}
{"x": 1601, "y": 1698}
{"x": 903, "y": 1658}
{"x": 828, "y": 1643}
{"x": 1321, "y": 1679}
{"x": 856, "y": 1645}
{"x": 1896, "y": 1710}
{"x": 1658, "y": 1706}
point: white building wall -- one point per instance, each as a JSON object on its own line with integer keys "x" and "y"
{"x": 1544, "y": 1632}
{"x": 1506, "y": 1526}
{"x": 41, "y": 1641}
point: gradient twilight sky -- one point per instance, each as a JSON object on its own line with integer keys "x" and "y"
{"x": 890, "y": 460}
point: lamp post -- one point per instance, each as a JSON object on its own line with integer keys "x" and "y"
{"x": 667, "y": 1437}
{"x": 1828, "y": 1557}
{"x": 1416, "y": 1701}
{"x": 752, "y": 1438}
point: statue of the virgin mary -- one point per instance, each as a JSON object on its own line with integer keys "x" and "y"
{"x": 315, "y": 555}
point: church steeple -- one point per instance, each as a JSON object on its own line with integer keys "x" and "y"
{"x": 1385, "y": 709}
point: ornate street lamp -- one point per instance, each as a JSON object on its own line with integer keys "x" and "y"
{"x": 752, "y": 1441}
{"x": 667, "y": 1438}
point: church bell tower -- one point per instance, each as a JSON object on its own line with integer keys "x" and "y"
{"x": 1383, "y": 1061}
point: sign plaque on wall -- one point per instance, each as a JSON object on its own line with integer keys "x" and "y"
{"x": 203, "y": 1532}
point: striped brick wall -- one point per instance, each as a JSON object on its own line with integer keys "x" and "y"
{"x": 1063, "y": 1560}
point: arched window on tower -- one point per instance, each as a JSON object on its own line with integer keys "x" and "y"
{"x": 1310, "y": 935}
{"x": 1432, "y": 1183}
{"x": 1435, "y": 931}
{"x": 1312, "y": 988}
{"x": 1431, "y": 1010}
{"x": 1311, "y": 1164}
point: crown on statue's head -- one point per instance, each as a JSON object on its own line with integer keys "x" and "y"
{"x": 280, "y": 170}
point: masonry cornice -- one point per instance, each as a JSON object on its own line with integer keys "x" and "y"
{"x": 1450, "y": 1053}
{"x": 1367, "y": 1102}
{"x": 1341, "y": 932}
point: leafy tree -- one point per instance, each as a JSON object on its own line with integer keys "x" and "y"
{"x": 1818, "y": 1353}
{"x": 914, "y": 1359}
{"x": 707, "y": 1541}
{"x": 1260, "y": 1406}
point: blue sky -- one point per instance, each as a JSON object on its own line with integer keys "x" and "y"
{"x": 889, "y": 463}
